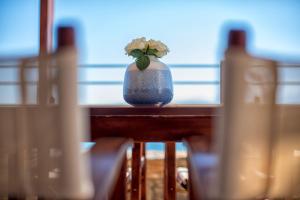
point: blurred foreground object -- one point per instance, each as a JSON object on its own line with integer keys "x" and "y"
{"x": 245, "y": 132}
{"x": 285, "y": 169}
{"x": 256, "y": 141}
{"x": 40, "y": 144}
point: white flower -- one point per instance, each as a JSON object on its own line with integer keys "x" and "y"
{"x": 147, "y": 47}
{"x": 161, "y": 48}
{"x": 139, "y": 43}
{"x": 161, "y": 54}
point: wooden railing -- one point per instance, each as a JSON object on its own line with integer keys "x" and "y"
{"x": 191, "y": 124}
{"x": 152, "y": 124}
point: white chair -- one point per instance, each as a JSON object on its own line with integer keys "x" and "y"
{"x": 241, "y": 164}
{"x": 40, "y": 144}
{"x": 285, "y": 172}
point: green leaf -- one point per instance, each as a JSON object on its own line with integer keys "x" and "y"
{"x": 151, "y": 52}
{"x": 142, "y": 62}
{"x": 136, "y": 53}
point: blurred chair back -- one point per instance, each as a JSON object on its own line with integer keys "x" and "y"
{"x": 285, "y": 171}
{"x": 40, "y": 144}
{"x": 245, "y": 132}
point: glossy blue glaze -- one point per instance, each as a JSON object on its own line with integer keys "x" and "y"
{"x": 152, "y": 86}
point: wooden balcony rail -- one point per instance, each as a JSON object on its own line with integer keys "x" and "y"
{"x": 152, "y": 124}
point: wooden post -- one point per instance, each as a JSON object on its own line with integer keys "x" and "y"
{"x": 46, "y": 26}
{"x": 143, "y": 175}
{"x": 136, "y": 171}
{"x": 170, "y": 171}
{"x": 190, "y": 182}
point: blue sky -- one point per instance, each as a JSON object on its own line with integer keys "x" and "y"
{"x": 19, "y": 27}
{"x": 191, "y": 28}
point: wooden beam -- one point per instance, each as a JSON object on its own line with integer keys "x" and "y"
{"x": 153, "y": 128}
{"x": 136, "y": 171}
{"x": 143, "y": 173}
{"x": 170, "y": 110}
{"x": 170, "y": 171}
{"x": 46, "y": 26}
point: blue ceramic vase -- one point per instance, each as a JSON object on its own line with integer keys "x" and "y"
{"x": 150, "y": 87}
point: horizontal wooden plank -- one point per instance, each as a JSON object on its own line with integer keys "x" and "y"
{"x": 151, "y": 128}
{"x": 172, "y": 110}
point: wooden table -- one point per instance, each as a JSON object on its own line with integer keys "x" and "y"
{"x": 168, "y": 124}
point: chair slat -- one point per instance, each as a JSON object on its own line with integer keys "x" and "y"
{"x": 197, "y": 147}
{"x": 107, "y": 157}
{"x": 120, "y": 189}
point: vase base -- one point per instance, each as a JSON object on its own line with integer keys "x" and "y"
{"x": 148, "y": 105}
{"x": 149, "y": 97}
